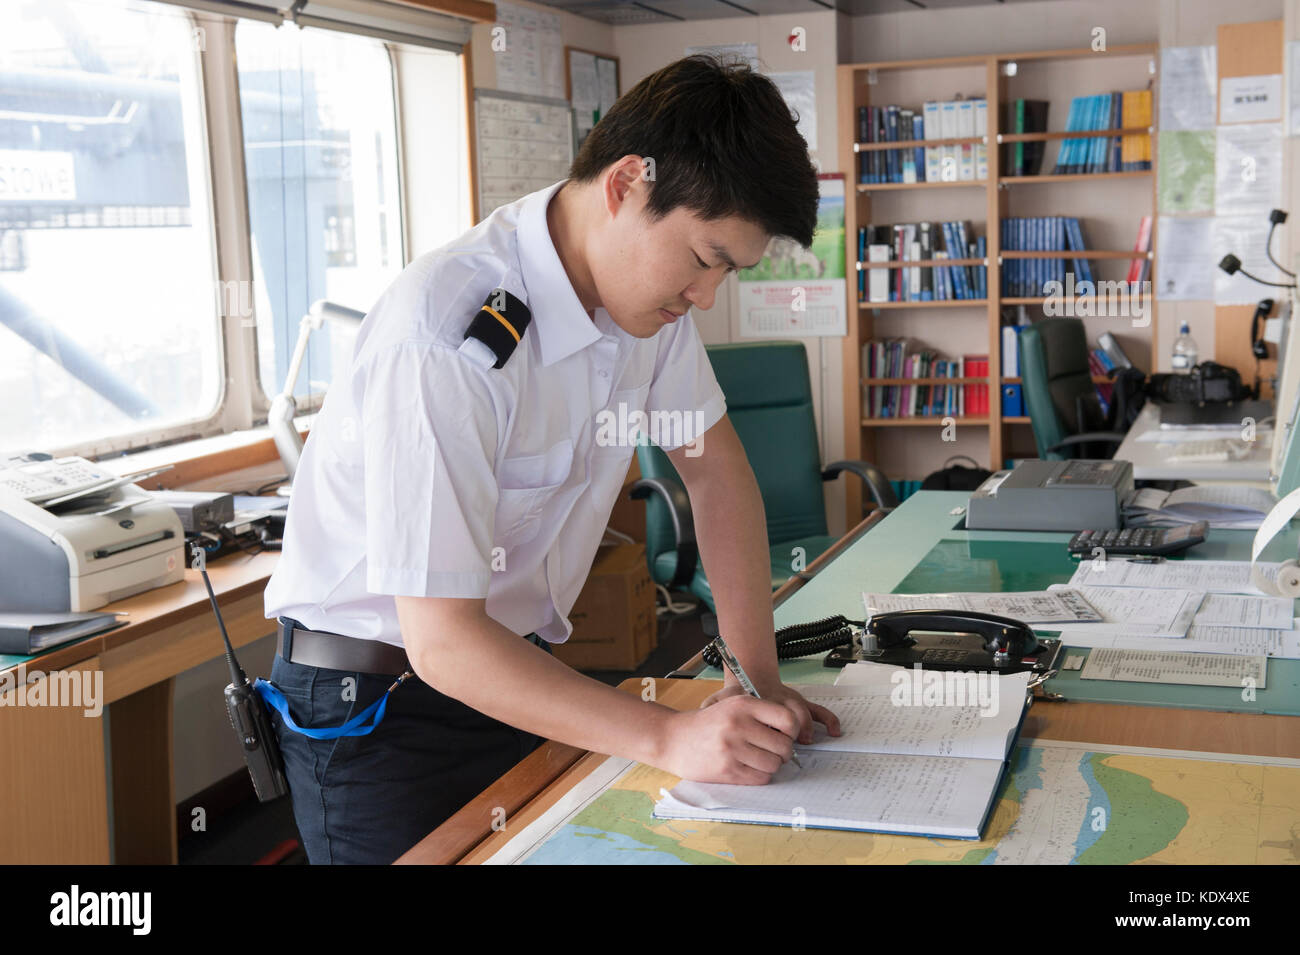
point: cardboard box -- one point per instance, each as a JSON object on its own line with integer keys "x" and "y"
{"x": 614, "y": 622}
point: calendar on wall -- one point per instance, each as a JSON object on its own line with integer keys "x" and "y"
{"x": 524, "y": 143}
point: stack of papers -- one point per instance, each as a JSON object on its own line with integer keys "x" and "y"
{"x": 1146, "y": 608}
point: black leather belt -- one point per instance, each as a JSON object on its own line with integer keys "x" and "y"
{"x": 333, "y": 651}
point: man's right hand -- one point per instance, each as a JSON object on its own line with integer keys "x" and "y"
{"x": 737, "y": 740}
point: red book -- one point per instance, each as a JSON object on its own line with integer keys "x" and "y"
{"x": 1137, "y": 266}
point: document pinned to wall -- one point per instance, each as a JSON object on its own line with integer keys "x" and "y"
{"x": 1248, "y": 170}
{"x": 524, "y": 144}
{"x": 1250, "y": 99}
{"x": 1184, "y": 259}
{"x": 1244, "y": 237}
{"x": 1185, "y": 179}
{"x": 533, "y": 59}
{"x": 798, "y": 291}
{"x": 800, "y": 92}
{"x": 1293, "y": 92}
{"x": 1187, "y": 87}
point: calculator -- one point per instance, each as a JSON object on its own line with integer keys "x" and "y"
{"x": 1145, "y": 541}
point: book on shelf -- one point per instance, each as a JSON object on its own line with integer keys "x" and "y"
{"x": 904, "y": 358}
{"x": 1025, "y": 116}
{"x": 1099, "y": 154}
{"x": 1029, "y": 277}
{"x": 909, "y": 769}
{"x": 1140, "y": 267}
{"x": 956, "y": 119}
{"x": 976, "y": 396}
{"x": 920, "y": 242}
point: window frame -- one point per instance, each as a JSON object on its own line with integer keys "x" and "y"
{"x": 242, "y": 404}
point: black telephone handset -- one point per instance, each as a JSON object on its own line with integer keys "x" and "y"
{"x": 950, "y": 640}
{"x": 1003, "y": 637}
{"x": 1262, "y": 311}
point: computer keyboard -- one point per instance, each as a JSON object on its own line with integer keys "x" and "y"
{"x": 1211, "y": 449}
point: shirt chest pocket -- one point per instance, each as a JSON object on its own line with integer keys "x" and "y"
{"x": 524, "y": 485}
{"x": 622, "y": 424}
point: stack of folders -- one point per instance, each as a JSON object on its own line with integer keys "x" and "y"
{"x": 28, "y": 633}
{"x": 921, "y": 753}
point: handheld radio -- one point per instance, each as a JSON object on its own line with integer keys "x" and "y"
{"x": 246, "y": 711}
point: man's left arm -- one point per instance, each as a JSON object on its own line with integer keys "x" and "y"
{"x": 731, "y": 534}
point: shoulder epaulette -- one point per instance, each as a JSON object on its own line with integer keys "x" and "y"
{"x": 499, "y": 325}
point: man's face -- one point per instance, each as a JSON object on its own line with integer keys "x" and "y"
{"x": 647, "y": 272}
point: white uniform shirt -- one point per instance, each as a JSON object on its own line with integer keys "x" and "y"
{"x": 427, "y": 475}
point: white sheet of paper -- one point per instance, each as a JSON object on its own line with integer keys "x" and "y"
{"x": 1184, "y": 267}
{"x": 1187, "y": 87}
{"x": 1273, "y": 643}
{"x": 1250, "y": 99}
{"x": 1152, "y": 666}
{"x": 1139, "y": 611}
{"x": 1248, "y": 174}
{"x": 1207, "y": 576}
{"x": 1234, "y": 610}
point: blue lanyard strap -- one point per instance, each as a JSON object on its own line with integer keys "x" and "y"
{"x": 273, "y": 698}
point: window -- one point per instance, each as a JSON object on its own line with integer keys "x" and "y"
{"x": 108, "y": 308}
{"x": 320, "y": 151}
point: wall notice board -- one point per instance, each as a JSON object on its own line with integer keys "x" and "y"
{"x": 591, "y": 84}
{"x": 523, "y": 143}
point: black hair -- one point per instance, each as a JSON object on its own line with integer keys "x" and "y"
{"x": 723, "y": 142}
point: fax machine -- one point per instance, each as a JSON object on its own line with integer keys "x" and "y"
{"x": 74, "y": 536}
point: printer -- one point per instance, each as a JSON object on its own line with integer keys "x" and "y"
{"x": 1052, "y": 496}
{"x": 74, "y": 536}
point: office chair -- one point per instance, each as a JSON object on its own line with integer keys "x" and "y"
{"x": 1064, "y": 408}
{"x": 769, "y": 402}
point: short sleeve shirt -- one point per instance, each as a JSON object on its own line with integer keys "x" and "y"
{"x": 428, "y": 475}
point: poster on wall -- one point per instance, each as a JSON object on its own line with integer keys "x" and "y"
{"x": 799, "y": 90}
{"x": 533, "y": 59}
{"x": 798, "y": 291}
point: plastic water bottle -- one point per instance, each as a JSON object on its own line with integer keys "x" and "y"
{"x": 1184, "y": 356}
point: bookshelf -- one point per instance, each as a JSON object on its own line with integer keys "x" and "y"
{"x": 1110, "y": 207}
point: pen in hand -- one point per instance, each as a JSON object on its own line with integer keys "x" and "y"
{"x": 731, "y": 663}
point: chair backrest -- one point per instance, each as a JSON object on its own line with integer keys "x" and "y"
{"x": 1057, "y": 382}
{"x": 769, "y": 402}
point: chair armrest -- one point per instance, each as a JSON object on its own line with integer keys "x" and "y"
{"x": 872, "y": 477}
{"x": 679, "y": 511}
{"x": 1108, "y": 437}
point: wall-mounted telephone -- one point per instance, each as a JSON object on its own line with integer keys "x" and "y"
{"x": 950, "y": 640}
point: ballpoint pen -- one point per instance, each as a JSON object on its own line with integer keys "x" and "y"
{"x": 729, "y": 660}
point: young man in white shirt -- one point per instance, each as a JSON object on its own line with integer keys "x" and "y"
{"x": 447, "y": 504}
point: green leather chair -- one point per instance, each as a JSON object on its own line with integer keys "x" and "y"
{"x": 1060, "y": 397}
{"x": 769, "y": 402}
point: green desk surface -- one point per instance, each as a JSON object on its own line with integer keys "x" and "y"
{"x": 923, "y": 547}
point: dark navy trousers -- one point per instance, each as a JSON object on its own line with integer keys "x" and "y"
{"x": 368, "y": 799}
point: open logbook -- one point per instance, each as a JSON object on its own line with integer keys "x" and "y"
{"x": 921, "y": 753}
